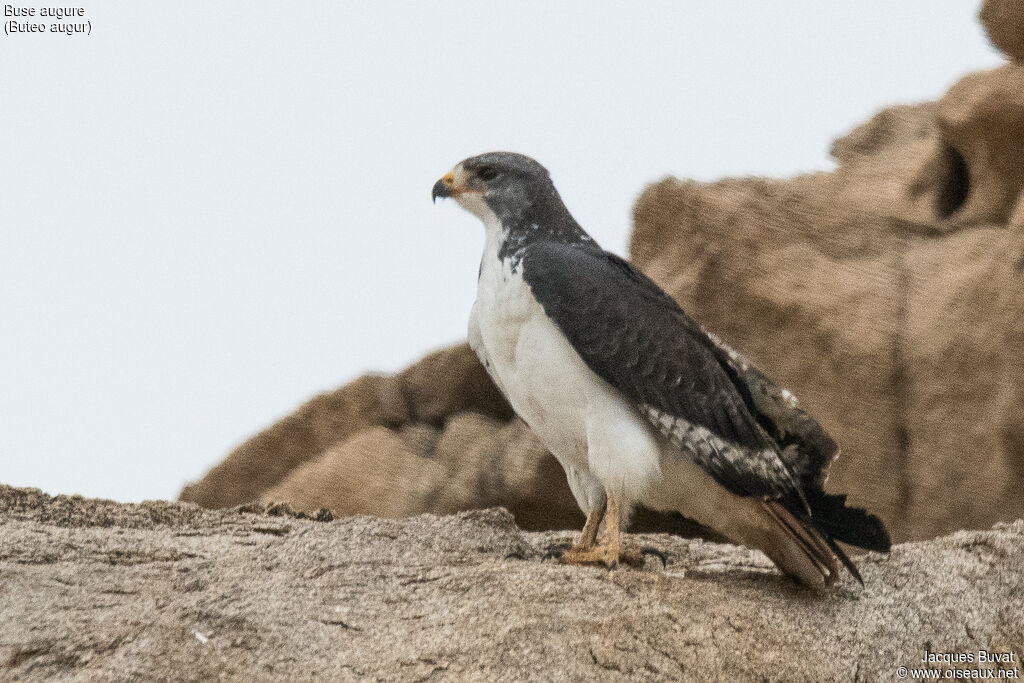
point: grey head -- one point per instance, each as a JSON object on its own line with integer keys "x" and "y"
{"x": 514, "y": 192}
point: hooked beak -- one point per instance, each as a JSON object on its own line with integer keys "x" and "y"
{"x": 447, "y": 186}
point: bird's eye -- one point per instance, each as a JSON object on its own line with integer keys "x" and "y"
{"x": 487, "y": 174}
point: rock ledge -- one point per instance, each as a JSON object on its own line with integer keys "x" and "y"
{"x": 95, "y": 589}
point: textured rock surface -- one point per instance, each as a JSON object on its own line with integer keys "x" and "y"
{"x": 888, "y": 295}
{"x": 437, "y": 437}
{"x": 98, "y": 590}
{"x": 1004, "y": 23}
{"x": 443, "y": 384}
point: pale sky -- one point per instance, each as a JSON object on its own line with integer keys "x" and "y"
{"x": 212, "y": 211}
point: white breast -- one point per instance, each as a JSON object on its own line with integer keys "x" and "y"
{"x": 583, "y": 421}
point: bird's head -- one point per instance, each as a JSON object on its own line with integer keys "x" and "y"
{"x": 500, "y": 184}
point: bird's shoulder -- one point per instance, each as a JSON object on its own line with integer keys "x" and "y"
{"x": 573, "y": 266}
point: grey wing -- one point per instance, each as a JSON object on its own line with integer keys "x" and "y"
{"x": 635, "y": 337}
{"x": 806, "y": 448}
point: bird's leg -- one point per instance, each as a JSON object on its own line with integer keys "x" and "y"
{"x": 614, "y": 551}
{"x": 610, "y": 552}
{"x": 588, "y": 537}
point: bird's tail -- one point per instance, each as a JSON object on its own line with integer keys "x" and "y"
{"x": 807, "y": 548}
{"x": 854, "y": 526}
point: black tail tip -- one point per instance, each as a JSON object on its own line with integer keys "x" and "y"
{"x": 853, "y": 526}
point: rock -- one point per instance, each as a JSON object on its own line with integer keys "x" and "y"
{"x": 886, "y": 295}
{"x": 99, "y": 590}
{"x": 1004, "y": 23}
{"x": 398, "y": 445}
{"x": 980, "y": 125}
{"x": 474, "y": 462}
{"x": 441, "y": 384}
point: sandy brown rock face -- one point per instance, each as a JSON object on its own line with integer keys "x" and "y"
{"x": 1004, "y": 23}
{"x": 981, "y": 127}
{"x": 436, "y": 437}
{"x": 443, "y": 383}
{"x": 94, "y": 590}
{"x": 473, "y": 462}
{"x": 887, "y": 295}
{"x": 806, "y": 298}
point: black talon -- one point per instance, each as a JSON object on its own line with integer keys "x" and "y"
{"x": 648, "y": 550}
{"x": 555, "y": 551}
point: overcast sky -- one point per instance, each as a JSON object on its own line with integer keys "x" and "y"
{"x": 212, "y": 211}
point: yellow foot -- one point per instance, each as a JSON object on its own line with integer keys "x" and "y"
{"x": 610, "y": 557}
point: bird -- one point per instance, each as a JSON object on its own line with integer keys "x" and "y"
{"x": 638, "y": 402}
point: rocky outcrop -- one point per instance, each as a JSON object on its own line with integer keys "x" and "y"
{"x": 94, "y": 590}
{"x": 1004, "y": 23}
{"x": 887, "y": 295}
{"x": 420, "y": 399}
{"x": 437, "y": 437}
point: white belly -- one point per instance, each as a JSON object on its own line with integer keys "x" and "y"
{"x": 599, "y": 438}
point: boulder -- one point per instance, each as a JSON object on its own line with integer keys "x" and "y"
{"x": 95, "y": 590}
{"x": 886, "y": 295}
{"x": 1004, "y": 22}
